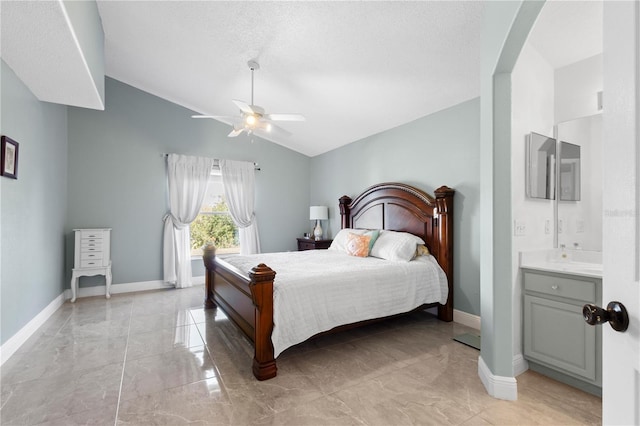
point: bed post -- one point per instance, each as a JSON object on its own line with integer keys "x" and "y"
{"x": 261, "y": 286}
{"x": 209, "y": 258}
{"x": 444, "y": 205}
{"x": 344, "y": 211}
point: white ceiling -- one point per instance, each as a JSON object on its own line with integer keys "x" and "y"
{"x": 352, "y": 68}
{"x": 568, "y": 31}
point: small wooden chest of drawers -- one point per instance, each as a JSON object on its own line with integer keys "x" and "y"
{"x": 92, "y": 256}
{"x": 311, "y": 244}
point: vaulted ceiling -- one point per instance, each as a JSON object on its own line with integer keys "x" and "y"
{"x": 353, "y": 69}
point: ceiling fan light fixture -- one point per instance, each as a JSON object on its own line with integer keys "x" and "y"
{"x": 251, "y": 120}
{"x": 253, "y": 117}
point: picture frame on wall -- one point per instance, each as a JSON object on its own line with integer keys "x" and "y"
{"x": 9, "y": 158}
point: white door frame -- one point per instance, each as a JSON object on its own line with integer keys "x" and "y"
{"x": 621, "y": 201}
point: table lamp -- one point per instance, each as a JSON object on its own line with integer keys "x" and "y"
{"x": 318, "y": 213}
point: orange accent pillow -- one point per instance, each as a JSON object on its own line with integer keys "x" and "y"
{"x": 358, "y": 245}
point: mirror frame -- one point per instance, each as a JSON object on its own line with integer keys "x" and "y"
{"x": 541, "y": 172}
{"x": 569, "y": 166}
{"x": 561, "y": 201}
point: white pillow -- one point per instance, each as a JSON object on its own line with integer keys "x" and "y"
{"x": 396, "y": 246}
{"x": 341, "y": 239}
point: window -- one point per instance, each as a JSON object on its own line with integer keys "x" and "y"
{"x": 214, "y": 223}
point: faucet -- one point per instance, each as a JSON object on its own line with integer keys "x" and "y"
{"x": 563, "y": 253}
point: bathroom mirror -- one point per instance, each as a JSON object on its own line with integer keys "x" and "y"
{"x": 569, "y": 171}
{"x": 541, "y": 166}
{"x": 579, "y": 203}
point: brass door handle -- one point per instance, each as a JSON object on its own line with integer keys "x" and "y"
{"x": 615, "y": 314}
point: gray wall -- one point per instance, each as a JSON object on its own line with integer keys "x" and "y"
{"x": 117, "y": 177}
{"x": 33, "y": 208}
{"x": 440, "y": 149}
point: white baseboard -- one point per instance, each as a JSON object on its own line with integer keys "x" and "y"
{"x": 467, "y": 319}
{"x": 100, "y": 290}
{"x": 13, "y": 344}
{"x": 499, "y": 387}
{"x": 520, "y": 365}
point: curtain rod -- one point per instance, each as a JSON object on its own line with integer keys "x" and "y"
{"x": 216, "y": 162}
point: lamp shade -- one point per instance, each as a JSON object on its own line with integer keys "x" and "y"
{"x": 318, "y": 213}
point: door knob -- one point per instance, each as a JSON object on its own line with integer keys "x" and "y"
{"x": 615, "y": 314}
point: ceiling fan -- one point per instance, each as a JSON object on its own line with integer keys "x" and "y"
{"x": 253, "y": 118}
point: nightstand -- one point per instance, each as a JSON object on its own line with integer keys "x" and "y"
{"x": 311, "y": 244}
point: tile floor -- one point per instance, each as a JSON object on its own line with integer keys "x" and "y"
{"x": 159, "y": 358}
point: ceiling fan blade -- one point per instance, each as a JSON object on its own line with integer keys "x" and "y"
{"x": 267, "y": 128}
{"x": 235, "y": 132}
{"x": 285, "y": 117}
{"x": 244, "y": 107}
{"x": 215, "y": 117}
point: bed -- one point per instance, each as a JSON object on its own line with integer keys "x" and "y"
{"x": 246, "y": 295}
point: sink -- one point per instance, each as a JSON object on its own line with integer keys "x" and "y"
{"x": 586, "y": 266}
{"x": 577, "y": 262}
{"x": 580, "y": 267}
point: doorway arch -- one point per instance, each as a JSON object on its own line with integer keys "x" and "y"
{"x": 505, "y": 30}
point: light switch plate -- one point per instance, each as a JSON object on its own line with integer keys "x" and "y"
{"x": 519, "y": 228}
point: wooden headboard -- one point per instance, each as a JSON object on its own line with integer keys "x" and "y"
{"x": 400, "y": 207}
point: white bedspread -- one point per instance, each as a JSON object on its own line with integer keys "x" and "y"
{"x": 317, "y": 290}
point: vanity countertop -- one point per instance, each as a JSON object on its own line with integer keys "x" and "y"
{"x": 575, "y": 262}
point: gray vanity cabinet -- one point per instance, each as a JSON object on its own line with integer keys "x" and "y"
{"x": 557, "y": 340}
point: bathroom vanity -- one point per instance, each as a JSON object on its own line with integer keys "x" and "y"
{"x": 557, "y": 340}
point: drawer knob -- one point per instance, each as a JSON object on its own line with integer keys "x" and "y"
{"x": 554, "y": 287}
{"x": 615, "y": 314}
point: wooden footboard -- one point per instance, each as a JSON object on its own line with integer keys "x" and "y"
{"x": 248, "y": 302}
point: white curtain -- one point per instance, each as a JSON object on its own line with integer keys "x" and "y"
{"x": 188, "y": 179}
{"x": 238, "y": 178}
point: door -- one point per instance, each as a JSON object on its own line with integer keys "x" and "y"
{"x": 621, "y": 200}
